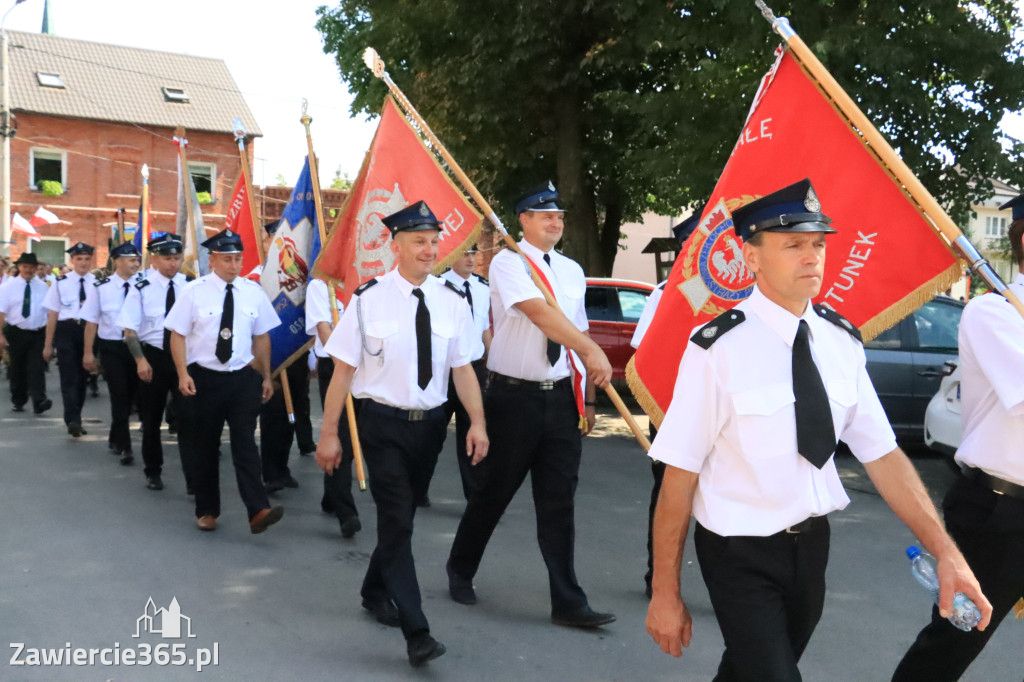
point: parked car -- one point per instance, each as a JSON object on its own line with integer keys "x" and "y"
{"x": 943, "y": 429}
{"x": 613, "y": 309}
{"x": 905, "y": 363}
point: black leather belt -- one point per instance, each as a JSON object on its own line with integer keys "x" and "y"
{"x": 78, "y": 322}
{"x": 404, "y": 415}
{"x": 525, "y": 385}
{"x": 808, "y": 524}
{"x": 996, "y": 485}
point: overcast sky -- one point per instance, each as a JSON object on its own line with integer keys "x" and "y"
{"x": 274, "y": 54}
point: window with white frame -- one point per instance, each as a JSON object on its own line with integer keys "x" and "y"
{"x": 204, "y": 176}
{"x": 48, "y": 164}
{"x": 995, "y": 226}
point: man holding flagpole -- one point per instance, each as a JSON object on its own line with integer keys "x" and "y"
{"x": 763, "y": 393}
{"x": 536, "y": 409}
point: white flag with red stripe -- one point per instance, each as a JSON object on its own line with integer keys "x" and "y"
{"x": 43, "y": 217}
{"x": 22, "y": 226}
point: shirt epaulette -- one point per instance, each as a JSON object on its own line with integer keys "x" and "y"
{"x": 101, "y": 281}
{"x": 141, "y": 284}
{"x": 838, "y": 320}
{"x": 364, "y": 286}
{"x": 717, "y": 327}
{"x": 448, "y": 284}
{"x": 190, "y": 278}
{"x": 61, "y": 277}
{"x": 483, "y": 280}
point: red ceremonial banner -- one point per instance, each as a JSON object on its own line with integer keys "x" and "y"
{"x": 398, "y": 171}
{"x": 885, "y": 261}
{"x": 239, "y": 219}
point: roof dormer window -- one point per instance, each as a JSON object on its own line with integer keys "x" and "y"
{"x": 49, "y": 80}
{"x": 176, "y": 95}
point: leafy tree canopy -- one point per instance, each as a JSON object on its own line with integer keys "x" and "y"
{"x": 634, "y": 106}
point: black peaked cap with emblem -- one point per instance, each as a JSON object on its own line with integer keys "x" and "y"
{"x": 126, "y": 250}
{"x": 225, "y": 241}
{"x": 166, "y": 244}
{"x": 413, "y": 218}
{"x": 683, "y": 230}
{"x": 543, "y": 198}
{"x": 1017, "y": 204}
{"x": 795, "y": 208}
{"x": 80, "y": 249}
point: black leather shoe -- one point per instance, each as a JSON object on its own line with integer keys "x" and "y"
{"x": 350, "y": 527}
{"x": 273, "y": 487}
{"x": 385, "y": 612}
{"x": 154, "y": 483}
{"x": 76, "y": 430}
{"x": 289, "y": 482}
{"x": 423, "y": 648}
{"x": 126, "y": 458}
{"x": 42, "y": 406}
{"x": 17, "y": 408}
{"x": 585, "y": 617}
{"x": 460, "y": 589}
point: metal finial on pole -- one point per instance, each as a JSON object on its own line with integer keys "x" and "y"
{"x": 779, "y": 24}
{"x": 766, "y": 11}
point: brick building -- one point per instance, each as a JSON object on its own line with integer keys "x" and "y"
{"x": 89, "y": 115}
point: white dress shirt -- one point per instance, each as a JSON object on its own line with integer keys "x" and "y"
{"x": 650, "y": 307}
{"x": 143, "y": 311}
{"x": 992, "y": 385}
{"x": 481, "y": 294}
{"x": 12, "y": 296}
{"x": 318, "y": 309}
{"x": 63, "y": 295}
{"x": 103, "y": 308}
{"x": 519, "y": 348}
{"x": 732, "y": 421}
{"x": 385, "y": 353}
{"x": 196, "y": 316}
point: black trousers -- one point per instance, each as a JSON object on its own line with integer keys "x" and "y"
{"x": 152, "y": 399}
{"x": 69, "y": 344}
{"x": 26, "y": 368}
{"x": 400, "y": 458}
{"x": 338, "y": 486}
{"x": 536, "y": 433}
{"x": 989, "y": 529}
{"x": 768, "y": 594}
{"x": 121, "y": 375}
{"x": 234, "y": 397}
{"x": 657, "y": 473}
{"x": 276, "y": 432}
{"x": 467, "y": 471}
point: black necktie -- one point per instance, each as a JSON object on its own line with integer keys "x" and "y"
{"x": 126, "y": 286}
{"x": 469, "y": 298}
{"x": 554, "y": 350}
{"x": 168, "y": 304}
{"x": 815, "y": 432}
{"x": 227, "y": 319}
{"x": 422, "y": 341}
{"x": 81, "y": 290}
{"x": 26, "y": 302}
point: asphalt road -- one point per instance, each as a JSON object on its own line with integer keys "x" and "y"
{"x": 85, "y": 545}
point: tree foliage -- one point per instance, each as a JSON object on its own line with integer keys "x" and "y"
{"x": 632, "y": 106}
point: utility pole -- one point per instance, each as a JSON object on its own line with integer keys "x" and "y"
{"x": 7, "y": 132}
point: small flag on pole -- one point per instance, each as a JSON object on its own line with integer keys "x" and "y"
{"x": 239, "y": 220}
{"x": 43, "y": 217}
{"x": 25, "y": 227}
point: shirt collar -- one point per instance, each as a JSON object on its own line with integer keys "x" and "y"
{"x": 1019, "y": 279}
{"x": 155, "y": 275}
{"x": 404, "y": 286}
{"x": 778, "y": 319}
{"x": 533, "y": 252}
{"x": 118, "y": 279}
{"x": 456, "y": 278}
{"x": 219, "y": 283}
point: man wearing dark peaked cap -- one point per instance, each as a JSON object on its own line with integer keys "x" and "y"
{"x": 220, "y": 342}
{"x": 763, "y": 394}
{"x": 23, "y": 332}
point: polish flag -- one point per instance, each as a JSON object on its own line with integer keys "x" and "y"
{"x": 43, "y": 217}
{"x": 22, "y": 226}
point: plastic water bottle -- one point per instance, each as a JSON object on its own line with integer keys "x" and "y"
{"x": 965, "y": 614}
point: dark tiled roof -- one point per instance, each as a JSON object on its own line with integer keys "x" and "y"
{"x": 123, "y": 84}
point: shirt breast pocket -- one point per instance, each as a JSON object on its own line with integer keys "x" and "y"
{"x": 842, "y": 398}
{"x": 765, "y": 421}
{"x": 442, "y": 333}
{"x": 249, "y": 316}
{"x": 153, "y": 308}
{"x": 377, "y": 333}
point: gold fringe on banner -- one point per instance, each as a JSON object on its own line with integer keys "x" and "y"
{"x": 642, "y": 395}
{"x": 911, "y": 302}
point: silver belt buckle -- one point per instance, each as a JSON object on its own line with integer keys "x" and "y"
{"x": 415, "y": 415}
{"x": 546, "y": 385}
{"x": 791, "y": 531}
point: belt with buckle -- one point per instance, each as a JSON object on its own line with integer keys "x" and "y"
{"x": 996, "y": 485}
{"x": 808, "y": 524}
{"x": 78, "y": 322}
{"x": 404, "y": 415}
{"x": 526, "y": 385}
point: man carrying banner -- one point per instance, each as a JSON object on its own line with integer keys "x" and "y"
{"x": 337, "y": 498}
{"x": 65, "y": 332}
{"x": 142, "y": 318}
{"x": 22, "y": 332}
{"x": 984, "y": 510}
{"x": 100, "y": 313}
{"x": 221, "y": 351}
{"x": 534, "y": 409}
{"x": 395, "y": 346}
{"x": 763, "y": 393}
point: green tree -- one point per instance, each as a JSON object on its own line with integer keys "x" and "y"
{"x": 281, "y": 180}
{"x": 341, "y": 181}
{"x": 630, "y": 106}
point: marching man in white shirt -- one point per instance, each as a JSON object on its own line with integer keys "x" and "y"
{"x": 764, "y": 392}
{"x": 22, "y": 332}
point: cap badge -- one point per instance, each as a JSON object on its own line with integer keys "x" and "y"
{"x": 225, "y": 333}
{"x": 811, "y": 203}
{"x": 424, "y": 211}
{"x": 551, "y": 186}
